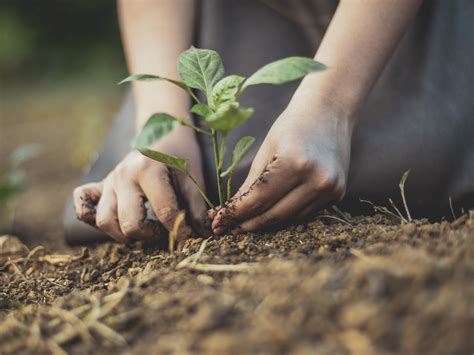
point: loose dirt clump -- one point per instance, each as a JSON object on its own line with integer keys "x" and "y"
{"x": 366, "y": 285}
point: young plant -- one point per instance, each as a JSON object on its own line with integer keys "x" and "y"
{"x": 202, "y": 69}
{"x": 13, "y": 182}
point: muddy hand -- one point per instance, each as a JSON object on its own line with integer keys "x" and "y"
{"x": 117, "y": 204}
{"x": 301, "y": 166}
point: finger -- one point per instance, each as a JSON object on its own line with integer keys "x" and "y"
{"x": 211, "y": 214}
{"x": 85, "y": 199}
{"x": 259, "y": 165}
{"x": 308, "y": 210}
{"x": 131, "y": 211}
{"x": 286, "y": 208}
{"x": 106, "y": 219}
{"x": 275, "y": 182}
{"x": 157, "y": 186}
{"x": 313, "y": 207}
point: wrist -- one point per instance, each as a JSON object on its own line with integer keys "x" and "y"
{"x": 316, "y": 106}
{"x": 159, "y": 97}
{"x": 319, "y": 92}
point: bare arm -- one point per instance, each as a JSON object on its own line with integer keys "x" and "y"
{"x": 304, "y": 159}
{"x": 357, "y": 45}
{"x": 154, "y": 33}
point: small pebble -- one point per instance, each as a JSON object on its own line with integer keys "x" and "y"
{"x": 205, "y": 279}
{"x": 409, "y": 229}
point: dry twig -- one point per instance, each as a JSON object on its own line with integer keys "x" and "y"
{"x": 191, "y": 262}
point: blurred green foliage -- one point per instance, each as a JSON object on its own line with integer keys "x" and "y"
{"x": 51, "y": 39}
{"x": 13, "y": 181}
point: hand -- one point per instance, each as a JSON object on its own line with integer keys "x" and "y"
{"x": 301, "y": 166}
{"x": 116, "y": 205}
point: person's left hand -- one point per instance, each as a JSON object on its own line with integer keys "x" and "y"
{"x": 301, "y": 166}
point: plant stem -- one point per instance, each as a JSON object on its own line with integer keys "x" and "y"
{"x": 186, "y": 123}
{"x": 209, "y": 203}
{"x": 229, "y": 186}
{"x": 191, "y": 93}
{"x": 218, "y": 169}
{"x": 402, "y": 192}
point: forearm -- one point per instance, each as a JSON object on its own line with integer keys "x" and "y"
{"x": 154, "y": 33}
{"x": 358, "y": 43}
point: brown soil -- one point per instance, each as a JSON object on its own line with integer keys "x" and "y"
{"x": 366, "y": 286}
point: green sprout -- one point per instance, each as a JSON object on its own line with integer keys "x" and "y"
{"x": 202, "y": 69}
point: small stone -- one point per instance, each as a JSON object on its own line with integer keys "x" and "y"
{"x": 358, "y": 314}
{"x": 114, "y": 258}
{"x": 344, "y": 236}
{"x": 205, "y": 279}
{"x": 323, "y": 251}
{"x": 409, "y": 229}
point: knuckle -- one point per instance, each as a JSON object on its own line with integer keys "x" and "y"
{"x": 340, "y": 189}
{"x": 78, "y": 192}
{"x": 328, "y": 180}
{"x": 257, "y": 205}
{"x": 327, "y": 184}
{"x": 267, "y": 219}
{"x": 166, "y": 216}
{"x": 301, "y": 165}
{"x": 335, "y": 185}
{"x": 145, "y": 163}
{"x": 104, "y": 222}
{"x": 120, "y": 172}
{"x": 130, "y": 228}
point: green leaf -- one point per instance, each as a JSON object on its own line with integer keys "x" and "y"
{"x": 157, "y": 126}
{"x": 227, "y": 117}
{"x": 200, "y": 69}
{"x": 201, "y": 110}
{"x": 11, "y": 185}
{"x": 149, "y": 77}
{"x": 241, "y": 149}
{"x": 283, "y": 70}
{"x": 226, "y": 89}
{"x": 178, "y": 163}
{"x": 404, "y": 179}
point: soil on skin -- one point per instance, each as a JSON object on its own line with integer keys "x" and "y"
{"x": 366, "y": 286}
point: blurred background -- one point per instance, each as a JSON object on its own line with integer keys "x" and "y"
{"x": 60, "y": 61}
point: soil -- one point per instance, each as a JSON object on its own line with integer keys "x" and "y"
{"x": 365, "y": 285}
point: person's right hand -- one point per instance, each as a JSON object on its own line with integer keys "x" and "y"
{"x": 116, "y": 205}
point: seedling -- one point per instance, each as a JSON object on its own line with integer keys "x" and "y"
{"x": 13, "y": 182}
{"x": 202, "y": 69}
